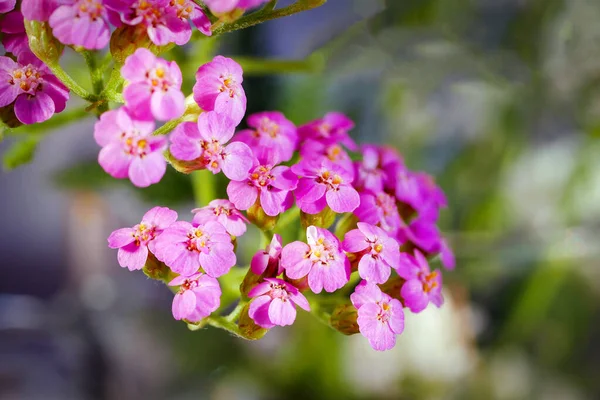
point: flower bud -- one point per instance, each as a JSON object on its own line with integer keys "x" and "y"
{"x": 248, "y": 328}
{"x": 345, "y": 224}
{"x": 324, "y": 219}
{"x": 257, "y": 216}
{"x": 42, "y": 43}
{"x": 344, "y": 319}
{"x": 155, "y": 269}
{"x": 250, "y": 280}
{"x": 300, "y": 284}
{"x": 126, "y": 39}
{"x": 185, "y": 167}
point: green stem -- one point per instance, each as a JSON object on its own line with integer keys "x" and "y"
{"x": 267, "y": 14}
{"x": 95, "y": 70}
{"x": 203, "y": 185}
{"x": 69, "y": 82}
{"x": 258, "y": 66}
{"x": 223, "y": 323}
{"x": 111, "y": 90}
{"x": 237, "y": 311}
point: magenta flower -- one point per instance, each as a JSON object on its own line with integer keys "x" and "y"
{"x": 447, "y": 256}
{"x": 381, "y": 210}
{"x": 272, "y": 136}
{"x": 159, "y": 17}
{"x": 321, "y": 259}
{"x": 380, "y": 317}
{"x": 272, "y": 185}
{"x": 134, "y": 243}
{"x": 36, "y": 92}
{"x": 331, "y": 129}
{"x": 324, "y": 183}
{"x": 205, "y": 142}
{"x": 81, "y": 23}
{"x": 268, "y": 260}
{"x": 7, "y": 5}
{"x": 419, "y": 190}
{"x": 378, "y": 168}
{"x": 314, "y": 150}
{"x": 129, "y": 149}
{"x": 422, "y": 286}
{"x": 424, "y": 233}
{"x": 185, "y": 248}
{"x": 198, "y": 296}
{"x": 226, "y": 6}
{"x": 14, "y": 38}
{"x": 378, "y": 252}
{"x": 225, "y": 213}
{"x": 219, "y": 88}
{"x": 188, "y": 9}
{"x": 153, "y": 86}
{"x": 38, "y": 10}
{"x": 274, "y": 303}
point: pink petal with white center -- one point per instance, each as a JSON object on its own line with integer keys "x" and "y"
{"x": 366, "y": 292}
{"x": 373, "y": 270}
{"x": 232, "y": 106}
{"x": 378, "y": 333}
{"x": 294, "y": 261}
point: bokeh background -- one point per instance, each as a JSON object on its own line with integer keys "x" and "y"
{"x": 498, "y": 99}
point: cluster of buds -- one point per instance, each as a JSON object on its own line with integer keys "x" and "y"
{"x": 369, "y": 224}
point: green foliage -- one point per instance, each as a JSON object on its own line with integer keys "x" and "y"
{"x": 21, "y": 152}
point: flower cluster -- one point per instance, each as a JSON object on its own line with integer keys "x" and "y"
{"x": 376, "y": 262}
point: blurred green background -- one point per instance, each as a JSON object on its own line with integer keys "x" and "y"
{"x": 498, "y": 99}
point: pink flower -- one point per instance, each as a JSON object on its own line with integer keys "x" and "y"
{"x": 331, "y": 129}
{"x": 159, "y": 17}
{"x": 129, "y": 149}
{"x": 198, "y": 296}
{"x": 188, "y": 9}
{"x": 419, "y": 190}
{"x": 185, "y": 248}
{"x": 321, "y": 259}
{"x": 225, "y": 213}
{"x": 225, "y": 6}
{"x": 205, "y": 142}
{"x": 81, "y": 23}
{"x": 314, "y": 150}
{"x": 153, "y": 86}
{"x": 381, "y": 210}
{"x": 324, "y": 183}
{"x": 7, "y": 5}
{"x": 134, "y": 243}
{"x": 380, "y": 317}
{"x": 275, "y": 302}
{"x": 36, "y": 92}
{"x": 422, "y": 286}
{"x": 447, "y": 256}
{"x": 268, "y": 260}
{"x": 378, "y": 252}
{"x": 14, "y": 38}
{"x": 272, "y": 185}
{"x": 272, "y": 136}
{"x": 377, "y": 169}
{"x": 424, "y": 233}
{"x": 38, "y": 10}
{"x": 219, "y": 88}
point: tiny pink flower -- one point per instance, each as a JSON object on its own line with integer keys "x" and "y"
{"x": 378, "y": 252}
{"x": 274, "y": 303}
{"x": 198, "y": 296}
{"x": 14, "y": 38}
{"x": 268, "y": 260}
{"x": 159, "y": 17}
{"x": 153, "y": 86}
{"x": 225, "y": 213}
{"x": 377, "y": 170}
{"x": 185, "y": 248}
{"x": 380, "y": 317}
{"x": 81, "y": 23}
{"x": 188, "y": 9}
{"x": 134, "y": 243}
{"x": 419, "y": 190}
{"x": 321, "y": 259}
{"x": 272, "y": 185}
{"x": 7, "y": 5}
{"x": 272, "y": 135}
{"x": 219, "y": 88}
{"x": 205, "y": 142}
{"x": 331, "y": 129}
{"x": 422, "y": 286}
{"x": 226, "y": 6}
{"x": 28, "y": 83}
{"x": 314, "y": 150}
{"x": 381, "y": 210}
{"x": 324, "y": 183}
{"x": 424, "y": 233}
{"x": 129, "y": 149}
{"x": 38, "y": 10}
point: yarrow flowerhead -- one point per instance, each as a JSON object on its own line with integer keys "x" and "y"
{"x": 322, "y": 260}
{"x": 377, "y": 168}
{"x": 14, "y": 38}
{"x": 82, "y": 23}
{"x": 422, "y": 286}
{"x": 331, "y": 129}
{"x": 315, "y": 151}
{"x": 219, "y": 88}
{"x": 134, "y": 243}
{"x": 274, "y": 303}
{"x": 198, "y": 296}
{"x": 380, "y": 317}
{"x": 186, "y": 248}
{"x": 323, "y": 183}
{"x": 205, "y": 142}
{"x": 272, "y": 135}
{"x": 381, "y": 210}
{"x": 378, "y": 253}
{"x": 225, "y": 213}
{"x": 153, "y": 86}
{"x": 129, "y": 149}
{"x": 36, "y": 93}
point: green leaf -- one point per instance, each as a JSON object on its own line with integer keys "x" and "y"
{"x": 20, "y": 153}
